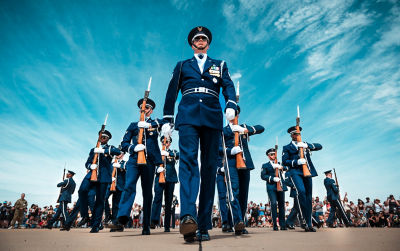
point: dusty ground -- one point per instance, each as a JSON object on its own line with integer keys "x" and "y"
{"x": 259, "y": 239}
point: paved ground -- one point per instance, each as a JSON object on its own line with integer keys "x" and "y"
{"x": 259, "y": 239}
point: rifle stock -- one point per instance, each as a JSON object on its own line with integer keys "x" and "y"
{"x": 161, "y": 178}
{"x": 306, "y": 171}
{"x": 240, "y": 164}
{"x": 141, "y": 160}
{"x": 278, "y": 184}
{"x": 95, "y": 173}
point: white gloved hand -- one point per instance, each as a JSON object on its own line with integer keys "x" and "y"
{"x": 117, "y": 165}
{"x": 164, "y": 153}
{"x": 235, "y": 150}
{"x": 166, "y": 130}
{"x": 143, "y": 124}
{"x": 139, "y": 147}
{"x": 301, "y": 161}
{"x": 276, "y": 166}
{"x": 238, "y": 128}
{"x": 93, "y": 166}
{"x": 276, "y": 179}
{"x": 98, "y": 150}
{"x": 222, "y": 170}
{"x": 302, "y": 144}
{"x": 230, "y": 114}
{"x": 160, "y": 169}
{"x": 113, "y": 179}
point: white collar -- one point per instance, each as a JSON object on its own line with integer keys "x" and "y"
{"x": 294, "y": 143}
{"x": 196, "y": 55}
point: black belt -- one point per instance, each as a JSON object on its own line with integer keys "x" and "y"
{"x": 200, "y": 90}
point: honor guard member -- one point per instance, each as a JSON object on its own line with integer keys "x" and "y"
{"x": 105, "y": 153}
{"x": 67, "y": 189}
{"x": 332, "y": 191}
{"x": 119, "y": 179}
{"x": 276, "y": 197}
{"x": 171, "y": 178}
{"x": 20, "y": 206}
{"x": 199, "y": 120}
{"x": 291, "y": 159}
{"x": 134, "y": 171}
{"x": 240, "y": 178}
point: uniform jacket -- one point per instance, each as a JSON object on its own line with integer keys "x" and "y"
{"x": 67, "y": 189}
{"x": 150, "y": 140}
{"x": 268, "y": 174}
{"x": 171, "y": 175}
{"x": 104, "y": 170}
{"x": 21, "y": 204}
{"x": 331, "y": 189}
{"x": 230, "y": 142}
{"x": 199, "y": 109}
{"x": 290, "y": 155}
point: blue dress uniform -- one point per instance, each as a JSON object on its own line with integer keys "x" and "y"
{"x": 268, "y": 174}
{"x": 168, "y": 188}
{"x": 199, "y": 120}
{"x": 333, "y": 198}
{"x": 290, "y": 156}
{"x": 104, "y": 179}
{"x": 120, "y": 184}
{"x": 67, "y": 189}
{"x": 240, "y": 178}
{"x": 146, "y": 172}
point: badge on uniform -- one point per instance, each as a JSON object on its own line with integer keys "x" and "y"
{"x": 214, "y": 71}
{"x": 215, "y": 80}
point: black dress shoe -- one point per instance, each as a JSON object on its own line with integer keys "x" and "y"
{"x": 153, "y": 225}
{"x": 188, "y": 225}
{"x": 276, "y": 228}
{"x": 283, "y": 228}
{"x": 146, "y": 232}
{"x": 244, "y": 231}
{"x": 167, "y": 230}
{"x": 65, "y": 228}
{"x": 116, "y": 228}
{"x": 230, "y": 230}
{"x": 331, "y": 226}
{"x": 202, "y": 235}
{"x": 95, "y": 230}
{"x": 101, "y": 227}
{"x": 225, "y": 227}
{"x": 84, "y": 221}
{"x": 239, "y": 228}
{"x": 190, "y": 237}
{"x": 310, "y": 229}
{"x": 290, "y": 227}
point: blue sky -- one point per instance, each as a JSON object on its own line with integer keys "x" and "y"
{"x": 65, "y": 64}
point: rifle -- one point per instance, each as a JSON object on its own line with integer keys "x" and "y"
{"x": 161, "y": 179}
{"x": 141, "y": 160}
{"x": 58, "y": 200}
{"x": 306, "y": 171}
{"x": 337, "y": 183}
{"x": 113, "y": 186}
{"x": 239, "y": 157}
{"x": 95, "y": 172}
{"x": 277, "y": 174}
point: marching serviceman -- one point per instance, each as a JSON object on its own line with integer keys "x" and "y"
{"x": 104, "y": 170}
{"x": 275, "y": 196}
{"x": 240, "y": 178}
{"x": 171, "y": 156}
{"x": 333, "y": 197}
{"x": 199, "y": 122}
{"x": 67, "y": 189}
{"x": 291, "y": 159}
{"x": 144, "y": 171}
{"x": 119, "y": 180}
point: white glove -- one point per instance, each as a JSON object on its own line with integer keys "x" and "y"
{"x": 139, "y": 147}
{"x": 164, "y": 153}
{"x": 98, "y": 150}
{"x": 230, "y": 114}
{"x": 160, "y": 169}
{"x": 222, "y": 170}
{"x": 143, "y": 124}
{"x": 302, "y": 144}
{"x": 276, "y": 166}
{"x": 166, "y": 130}
{"x": 301, "y": 161}
{"x": 238, "y": 128}
{"x": 117, "y": 165}
{"x": 235, "y": 150}
{"x": 276, "y": 179}
{"x": 93, "y": 166}
{"x": 113, "y": 179}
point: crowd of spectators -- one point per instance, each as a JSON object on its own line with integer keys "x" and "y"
{"x": 365, "y": 213}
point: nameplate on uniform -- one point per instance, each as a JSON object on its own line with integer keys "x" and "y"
{"x": 214, "y": 71}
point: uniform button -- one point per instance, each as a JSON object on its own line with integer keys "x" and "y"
{"x": 201, "y": 100}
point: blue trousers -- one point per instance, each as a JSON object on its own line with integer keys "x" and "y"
{"x": 296, "y": 211}
{"x": 189, "y": 174}
{"x": 61, "y": 211}
{"x": 277, "y": 200}
{"x": 133, "y": 172}
{"x": 101, "y": 189}
{"x": 336, "y": 206}
{"x": 87, "y": 197}
{"x": 235, "y": 184}
{"x": 304, "y": 190}
{"x": 168, "y": 189}
{"x": 244, "y": 180}
{"x": 116, "y": 197}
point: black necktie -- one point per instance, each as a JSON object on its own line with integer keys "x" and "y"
{"x": 201, "y": 56}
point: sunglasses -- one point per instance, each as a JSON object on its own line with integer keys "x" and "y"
{"x": 200, "y": 37}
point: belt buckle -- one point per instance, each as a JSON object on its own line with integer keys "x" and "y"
{"x": 202, "y": 89}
